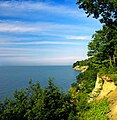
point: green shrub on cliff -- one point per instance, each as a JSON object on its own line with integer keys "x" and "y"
{"x": 99, "y": 110}
{"x": 86, "y": 80}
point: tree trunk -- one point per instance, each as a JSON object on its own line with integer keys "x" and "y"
{"x": 114, "y": 61}
{"x": 110, "y": 59}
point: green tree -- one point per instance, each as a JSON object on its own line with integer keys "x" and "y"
{"x": 86, "y": 80}
{"x": 102, "y": 48}
{"x": 35, "y": 103}
{"x": 105, "y": 10}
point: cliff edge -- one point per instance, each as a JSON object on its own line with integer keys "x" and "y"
{"x": 105, "y": 87}
{"x": 81, "y": 68}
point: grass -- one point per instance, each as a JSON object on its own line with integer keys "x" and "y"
{"x": 97, "y": 111}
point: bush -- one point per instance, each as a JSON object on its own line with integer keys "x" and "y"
{"x": 98, "y": 111}
{"x": 107, "y": 71}
{"x": 87, "y": 80}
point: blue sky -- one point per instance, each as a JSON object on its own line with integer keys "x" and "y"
{"x": 44, "y": 32}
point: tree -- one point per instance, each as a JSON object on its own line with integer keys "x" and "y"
{"x": 105, "y": 10}
{"x": 102, "y": 48}
{"x": 35, "y": 103}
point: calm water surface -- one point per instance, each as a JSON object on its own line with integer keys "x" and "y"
{"x": 16, "y": 77}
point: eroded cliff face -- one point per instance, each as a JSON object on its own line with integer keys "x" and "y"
{"x": 109, "y": 90}
{"x": 112, "y": 97}
{"x": 105, "y": 87}
{"x": 81, "y": 68}
{"x": 97, "y": 89}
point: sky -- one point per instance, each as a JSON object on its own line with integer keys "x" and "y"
{"x": 44, "y": 32}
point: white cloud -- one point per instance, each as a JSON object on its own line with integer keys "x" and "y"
{"x": 8, "y": 50}
{"x": 16, "y": 27}
{"x": 40, "y": 6}
{"x": 14, "y": 55}
{"x": 78, "y": 37}
{"x": 38, "y": 61}
{"x": 10, "y": 26}
{"x": 45, "y": 28}
{"x": 42, "y": 43}
{"x": 21, "y": 49}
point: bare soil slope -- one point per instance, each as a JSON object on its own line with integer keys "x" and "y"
{"x": 112, "y": 97}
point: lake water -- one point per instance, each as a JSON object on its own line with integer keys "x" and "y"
{"x": 16, "y": 77}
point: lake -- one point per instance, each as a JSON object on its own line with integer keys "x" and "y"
{"x": 16, "y": 77}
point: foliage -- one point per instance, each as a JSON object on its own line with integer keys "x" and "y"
{"x": 72, "y": 116}
{"x": 81, "y": 63}
{"x": 105, "y": 10}
{"x": 98, "y": 111}
{"x": 74, "y": 84}
{"x": 83, "y": 110}
{"x": 102, "y": 58}
{"x": 103, "y": 48}
{"x": 35, "y": 103}
{"x": 87, "y": 80}
{"x": 108, "y": 71}
{"x": 82, "y": 104}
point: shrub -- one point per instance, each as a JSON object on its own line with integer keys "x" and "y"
{"x": 98, "y": 111}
